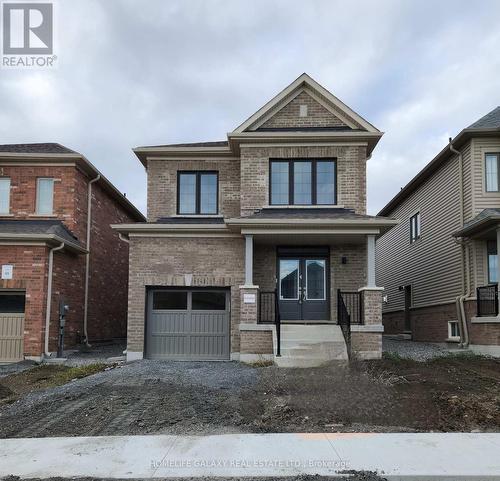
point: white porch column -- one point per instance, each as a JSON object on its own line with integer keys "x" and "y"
{"x": 248, "y": 260}
{"x": 370, "y": 260}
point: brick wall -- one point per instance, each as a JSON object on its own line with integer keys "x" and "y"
{"x": 162, "y": 185}
{"x": 23, "y": 180}
{"x": 108, "y": 281}
{"x": 30, "y": 274}
{"x": 431, "y": 324}
{"x": 163, "y": 261}
{"x": 351, "y": 173}
{"x": 256, "y": 342}
{"x": 317, "y": 115}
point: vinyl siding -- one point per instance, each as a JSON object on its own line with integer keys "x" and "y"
{"x": 482, "y": 199}
{"x": 432, "y": 265}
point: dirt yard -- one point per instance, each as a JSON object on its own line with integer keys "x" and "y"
{"x": 152, "y": 397}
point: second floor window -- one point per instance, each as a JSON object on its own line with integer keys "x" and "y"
{"x": 492, "y": 172}
{"x": 303, "y": 182}
{"x": 197, "y": 193}
{"x": 44, "y": 196}
{"x": 415, "y": 227}
{"x": 4, "y": 195}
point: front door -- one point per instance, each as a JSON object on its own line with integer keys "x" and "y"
{"x": 303, "y": 288}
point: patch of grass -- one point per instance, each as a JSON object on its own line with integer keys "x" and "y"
{"x": 394, "y": 357}
{"x": 42, "y": 377}
{"x": 72, "y": 373}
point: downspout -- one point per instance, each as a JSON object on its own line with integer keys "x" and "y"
{"x": 459, "y": 301}
{"x": 87, "y": 258}
{"x": 49, "y": 297}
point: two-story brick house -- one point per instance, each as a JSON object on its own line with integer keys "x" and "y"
{"x": 281, "y": 204}
{"x": 440, "y": 266}
{"x": 56, "y": 244}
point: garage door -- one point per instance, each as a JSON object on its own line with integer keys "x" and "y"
{"x": 11, "y": 326}
{"x": 188, "y": 324}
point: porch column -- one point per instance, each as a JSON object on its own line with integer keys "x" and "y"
{"x": 370, "y": 260}
{"x": 248, "y": 260}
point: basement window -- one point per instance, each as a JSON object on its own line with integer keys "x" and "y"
{"x": 453, "y": 330}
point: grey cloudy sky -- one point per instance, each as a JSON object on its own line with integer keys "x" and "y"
{"x": 151, "y": 72}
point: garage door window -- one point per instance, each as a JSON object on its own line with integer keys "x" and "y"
{"x": 170, "y": 300}
{"x": 12, "y": 303}
{"x": 208, "y": 301}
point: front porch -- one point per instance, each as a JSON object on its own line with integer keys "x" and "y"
{"x": 311, "y": 297}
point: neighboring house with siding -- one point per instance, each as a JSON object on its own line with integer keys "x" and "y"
{"x": 443, "y": 255}
{"x": 56, "y": 244}
{"x": 277, "y": 209}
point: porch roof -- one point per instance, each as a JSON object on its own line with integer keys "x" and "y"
{"x": 312, "y": 219}
{"x": 485, "y": 221}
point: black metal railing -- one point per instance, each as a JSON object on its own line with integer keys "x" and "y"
{"x": 354, "y": 304}
{"x": 269, "y": 312}
{"x": 344, "y": 320}
{"x": 487, "y": 300}
{"x": 267, "y": 308}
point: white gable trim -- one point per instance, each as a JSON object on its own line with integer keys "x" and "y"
{"x": 303, "y": 81}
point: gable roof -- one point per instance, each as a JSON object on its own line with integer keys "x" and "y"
{"x": 486, "y": 126}
{"x": 41, "y": 152}
{"x": 304, "y": 83}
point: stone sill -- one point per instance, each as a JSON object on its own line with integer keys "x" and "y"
{"x": 485, "y": 320}
{"x": 306, "y": 206}
{"x": 256, "y": 327}
{"x": 367, "y": 328}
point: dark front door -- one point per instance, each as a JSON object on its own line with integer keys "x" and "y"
{"x": 303, "y": 288}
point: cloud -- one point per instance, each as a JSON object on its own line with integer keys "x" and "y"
{"x": 137, "y": 73}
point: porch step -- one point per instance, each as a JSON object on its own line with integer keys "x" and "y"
{"x": 309, "y": 345}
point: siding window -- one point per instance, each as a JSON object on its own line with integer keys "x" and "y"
{"x": 492, "y": 262}
{"x": 44, "y": 196}
{"x": 415, "y": 227}
{"x": 197, "y": 193}
{"x": 4, "y": 195}
{"x": 303, "y": 182}
{"x": 492, "y": 172}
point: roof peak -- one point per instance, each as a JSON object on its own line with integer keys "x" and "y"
{"x": 489, "y": 121}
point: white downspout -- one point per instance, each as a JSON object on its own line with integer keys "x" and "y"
{"x": 462, "y": 321}
{"x": 49, "y": 298}
{"x": 87, "y": 258}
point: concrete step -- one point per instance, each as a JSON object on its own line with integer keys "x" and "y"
{"x": 310, "y": 345}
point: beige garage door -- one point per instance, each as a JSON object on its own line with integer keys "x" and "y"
{"x": 11, "y": 326}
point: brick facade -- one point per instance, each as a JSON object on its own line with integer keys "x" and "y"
{"x": 430, "y": 324}
{"x": 317, "y": 115}
{"x": 108, "y": 277}
{"x": 351, "y": 173}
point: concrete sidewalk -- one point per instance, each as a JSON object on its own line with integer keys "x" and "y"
{"x": 393, "y": 456}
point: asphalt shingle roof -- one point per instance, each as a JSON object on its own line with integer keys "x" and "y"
{"x": 40, "y": 227}
{"x": 191, "y": 220}
{"x": 489, "y": 121}
{"x": 219, "y": 143}
{"x": 298, "y": 213}
{"x": 40, "y": 148}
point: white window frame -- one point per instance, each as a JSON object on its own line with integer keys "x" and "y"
{"x": 324, "y": 280}
{"x": 486, "y": 155}
{"x": 454, "y": 338}
{"x": 6, "y": 180}
{"x": 38, "y": 181}
{"x": 415, "y": 236}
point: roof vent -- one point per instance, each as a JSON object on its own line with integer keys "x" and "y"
{"x": 302, "y": 110}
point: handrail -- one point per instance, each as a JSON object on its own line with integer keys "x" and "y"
{"x": 344, "y": 320}
{"x": 277, "y": 320}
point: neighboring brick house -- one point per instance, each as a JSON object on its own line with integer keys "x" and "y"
{"x": 45, "y": 247}
{"x": 280, "y": 204}
{"x": 440, "y": 265}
